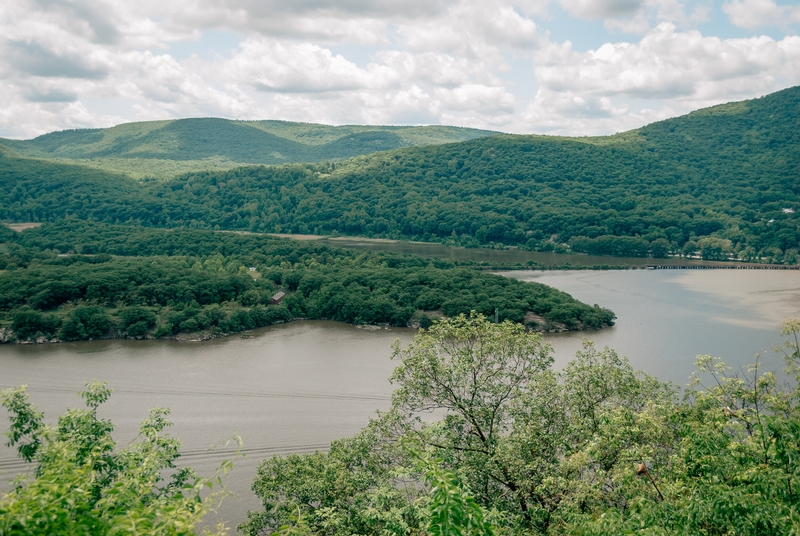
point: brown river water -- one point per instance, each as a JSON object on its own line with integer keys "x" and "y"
{"x": 295, "y": 387}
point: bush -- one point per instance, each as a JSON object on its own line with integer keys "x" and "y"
{"x": 137, "y": 321}
{"x": 86, "y": 322}
{"x": 27, "y": 324}
{"x": 139, "y": 329}
{"x": 82, "y": 484}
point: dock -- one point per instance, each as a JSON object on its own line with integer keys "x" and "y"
{"x": 723, "y": 267}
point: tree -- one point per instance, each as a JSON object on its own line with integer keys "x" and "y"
{"x": 27, "y": 324}
{"x": 713, "y": 248}
{"x": 659, "y": 247}
{"x": 83, "y": 485}
{"x": 472, "y": 370}
{"x": 137, "y": 321}
{"x": 594, "y": 449}
{"x": 357, "y": 487}
{"x": 513, "y": 428}
{"x": 86, "y": 322}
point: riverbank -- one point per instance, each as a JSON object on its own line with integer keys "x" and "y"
{"x": 513, "y": 258}
{"x": 533, "y": 322}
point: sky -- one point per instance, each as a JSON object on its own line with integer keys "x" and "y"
{"x": 562, "y": 67}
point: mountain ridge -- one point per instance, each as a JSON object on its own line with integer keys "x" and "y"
{"x": 725, "y": 176}
{"x": 198, "y": 144}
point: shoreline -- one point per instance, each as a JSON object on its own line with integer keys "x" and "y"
{"x": 7, "y": 335}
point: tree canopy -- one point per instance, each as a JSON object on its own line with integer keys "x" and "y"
{"x": 115, "y": 280}
{"x": 596, "y": 448}
{"x": 725, "y": 174}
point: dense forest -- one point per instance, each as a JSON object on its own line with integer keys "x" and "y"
{"x": 77, "y": 280}
{"x": 513, "y": 447}
{"x": 719, "y": 182}
{"x": 164, "y": 149}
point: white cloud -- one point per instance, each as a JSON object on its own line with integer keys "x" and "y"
{"x": 23, "y": 116}
{"x": 667, "y": 64}
{"x": 477, "y": 98}
{"x": 571, "y": 113}
{"x": 755, "y": 13}
{"x": 272, "y": 65}
{"x": 482, "y": 63}
{"x": 472, "y": 29}
{"x": 639, "y": 16}
{"x": 667, "y": 73}
{"x": 601, "y": 9}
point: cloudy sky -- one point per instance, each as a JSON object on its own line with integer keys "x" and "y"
{"x": 546, "y": 66}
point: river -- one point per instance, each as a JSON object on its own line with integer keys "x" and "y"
{"x": 295, "y": 387}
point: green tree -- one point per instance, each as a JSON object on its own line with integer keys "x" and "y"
{"x": 355, "y": 488}
{"x": 84, "y": 485}
{"x": 27, "y": 324}
{"x": 86, "y": 322}
{"x": 594, "y": 449}
{"x": 473, "y": 370}
{"x": 137, "y": 321}
{"x": 713, "y": 248}
{"x": 659, "y": 247}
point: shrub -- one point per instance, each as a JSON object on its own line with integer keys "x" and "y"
{"x": 27, "y": 324}
{"x": 86, "y": 322}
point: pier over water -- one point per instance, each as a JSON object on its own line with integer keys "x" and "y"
{"x": 723, "y": 267}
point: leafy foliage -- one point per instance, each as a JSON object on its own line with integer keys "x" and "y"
{"x": 594, "y": 449}
{"x": 453, "y": 512}
{"x": 84, "y": 485}
{"x": 203, "y": 284}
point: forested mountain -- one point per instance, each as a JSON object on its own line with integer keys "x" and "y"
{"x": 722, "y": 181}
{"x": 161, "y": 149}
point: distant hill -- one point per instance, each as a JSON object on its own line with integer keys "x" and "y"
{"x": 722, "y": 181}
{"x": 162, "y": 149}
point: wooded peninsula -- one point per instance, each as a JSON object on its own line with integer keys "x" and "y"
{"x": 127, "y": 281}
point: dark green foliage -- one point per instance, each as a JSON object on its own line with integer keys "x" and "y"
{"x": 391, "y": 296}
{"x": 85, "y": 322}
{"x": 130, "y": 282}
{"x": 28, "y": 324}
{"x": 728, "y": 171}
{"x": 136, "y": 321}
{"x": 7, "y": 235}
{"x": 99, "y": 239}
{"x": 202, "y": 284}
{"x": 36, "y": 190}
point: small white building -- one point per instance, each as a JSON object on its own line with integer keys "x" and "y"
{"x": 251, "y": 269}
{"x": 788, "y": 211}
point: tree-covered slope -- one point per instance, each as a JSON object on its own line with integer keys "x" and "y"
{"x": 162, "y": 149}
{"x": 723, "y": 180}
{"x": 189, "y": 280}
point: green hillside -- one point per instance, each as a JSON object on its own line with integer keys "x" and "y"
{"x": 721, "y": 181}
{"x": 162, "y": 149}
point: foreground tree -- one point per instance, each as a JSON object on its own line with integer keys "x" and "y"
{"x": 83, "y": 485}
{"x": 515, "y": 435}
{"x": 513, "y": 428}
{"x": 732, "y": 466}
{"x": 594, "y": 449}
